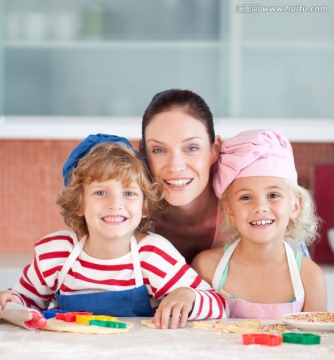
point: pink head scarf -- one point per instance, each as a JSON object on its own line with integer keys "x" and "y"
{"x": 254, "y": 153}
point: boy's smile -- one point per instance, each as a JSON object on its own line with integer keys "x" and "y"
{"x": 112, "y": 211}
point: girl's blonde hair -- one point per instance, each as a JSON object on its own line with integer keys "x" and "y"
{"x": 103, "y": 162}
{"x": 304, "y": 228}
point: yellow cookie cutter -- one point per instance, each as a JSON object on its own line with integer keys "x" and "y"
{"x": 84, "y": 319}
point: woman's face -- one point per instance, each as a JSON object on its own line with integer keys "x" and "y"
{"x": 180, "y": 155}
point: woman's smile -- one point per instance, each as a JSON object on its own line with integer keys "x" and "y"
{"x": 178, "y": 182}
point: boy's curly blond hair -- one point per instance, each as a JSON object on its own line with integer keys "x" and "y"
{"x": 103, "y": 162}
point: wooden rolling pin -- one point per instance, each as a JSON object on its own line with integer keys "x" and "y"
{"x": 22, "y": 316}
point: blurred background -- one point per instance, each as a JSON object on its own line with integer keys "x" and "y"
{"x": 69, "y": 68}
{"x": 109, "y": 57}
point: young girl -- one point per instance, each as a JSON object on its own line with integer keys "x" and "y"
{"x": 259, "y": 274}
{"x": 108, "y": 264}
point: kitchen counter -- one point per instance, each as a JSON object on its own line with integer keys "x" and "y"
{"x": 146, "y": 343}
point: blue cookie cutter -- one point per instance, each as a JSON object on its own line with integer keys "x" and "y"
{"x": 48, "y": 314}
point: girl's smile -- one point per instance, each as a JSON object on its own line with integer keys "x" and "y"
{"x": 261, "y": 203}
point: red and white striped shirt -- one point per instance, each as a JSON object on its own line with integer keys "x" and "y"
{"x": 163, "y": 267}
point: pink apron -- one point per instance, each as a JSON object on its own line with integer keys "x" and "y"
{"x": 243, "y": 309}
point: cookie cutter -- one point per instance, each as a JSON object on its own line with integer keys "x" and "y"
{"x": 110, "y": 324}
{"x": 301, "y": 338}
{"x": 49, "y": 314}
{"x": 84, "y": 319}
{"x": 262, "y": 339}
{"x": 70, "y": 316}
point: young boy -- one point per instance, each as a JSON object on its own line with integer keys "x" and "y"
{"x": 108, "y": 263}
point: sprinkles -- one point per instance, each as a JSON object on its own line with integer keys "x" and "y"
{"x": 312, "y": 317}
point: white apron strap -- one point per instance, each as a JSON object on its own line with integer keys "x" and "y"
{"x": 136, "y": 262}
{"x": 294, "y": 273}
{"x": 79, "y": 247}
{"x": 222, "y": 265}
{"x": 70, "y": 260}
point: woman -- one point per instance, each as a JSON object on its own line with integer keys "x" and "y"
{"x": 181, "y": 147}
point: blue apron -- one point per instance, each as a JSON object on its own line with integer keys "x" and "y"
{"x": 123, "y": 303}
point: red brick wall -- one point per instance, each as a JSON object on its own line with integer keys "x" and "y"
{"x": 307, "y": 155}
{"x": 31, "y": 178}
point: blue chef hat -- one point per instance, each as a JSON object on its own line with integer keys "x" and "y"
{"x": 83, "y": 148}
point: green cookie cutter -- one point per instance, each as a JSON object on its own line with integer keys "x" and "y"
{"x": 301, "y": 338}
{"x": 111, "y": 324}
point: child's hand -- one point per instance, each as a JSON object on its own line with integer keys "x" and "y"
{"x": 175, "y": 307}
{"x": 5, "y": 296}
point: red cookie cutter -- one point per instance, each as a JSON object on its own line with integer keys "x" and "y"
{"x": 70, "y": 316}
{"x": 262, "y": 339}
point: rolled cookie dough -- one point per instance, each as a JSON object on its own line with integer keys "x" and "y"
{"x": 148, "y": 323}
{"x": 54, "y": 324}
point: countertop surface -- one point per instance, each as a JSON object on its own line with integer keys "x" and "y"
{"x": 146, "y": 343}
